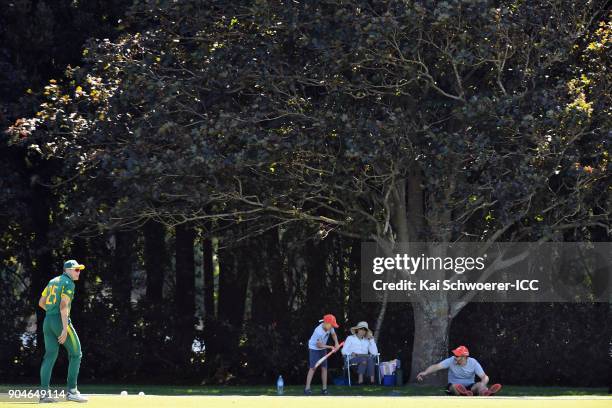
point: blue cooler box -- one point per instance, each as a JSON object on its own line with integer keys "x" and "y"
{"x": 340, "y": 381}
{"x": 389, "y": 380}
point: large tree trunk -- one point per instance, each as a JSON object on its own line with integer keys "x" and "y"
{"x": 121, "y": 285}
{"x": 431, "y": 331}
{"x": 209, "y": 279}
{"x": 211, "y": 337}
{"x": 280, "y": 299}
{"x": 221, "y": 350}
{"x": 185, "y": 289}
{"x": 156, "y": 265}
{"x": 338, "y": 282}
{"x": 79, "y": 252}
{"x": 122, "y": 272}
{"x": 316, "y": 264}
{"x": 355, "y": 306}
{"x": 155, "y": 261}
{"x": 233, "y": 280}
{"x": 41, "y": 258}
{"x": 431, "y": 315}
{"x": 269, "y": 305}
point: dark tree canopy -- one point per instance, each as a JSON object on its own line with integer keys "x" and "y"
{"x": 489, "y": 120}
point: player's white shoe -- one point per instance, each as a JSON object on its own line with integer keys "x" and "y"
{"x": 76, "y": 396}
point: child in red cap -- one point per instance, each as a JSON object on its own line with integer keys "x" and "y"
{"x": 317, "y": 346}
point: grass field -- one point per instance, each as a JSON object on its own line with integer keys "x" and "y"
{"x": 370, "y": 397}
{"x": 150, "y": 401}
{"x": 297, "y": 390}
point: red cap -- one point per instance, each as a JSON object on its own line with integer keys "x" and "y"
{"x": 461, "y": 351}
{"x": 331, "y": 319}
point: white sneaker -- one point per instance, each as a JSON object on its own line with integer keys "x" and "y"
{"x": 76, "y": 396}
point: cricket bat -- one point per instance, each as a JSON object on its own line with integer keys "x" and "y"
{"x": 325, "y": 357}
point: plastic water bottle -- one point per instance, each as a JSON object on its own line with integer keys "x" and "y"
{"x": 280, "y": 385}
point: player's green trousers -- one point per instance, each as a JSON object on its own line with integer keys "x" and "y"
{"x": 52, "y": 328}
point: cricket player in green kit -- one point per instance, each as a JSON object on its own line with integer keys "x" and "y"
{"x": 57, "y": 329}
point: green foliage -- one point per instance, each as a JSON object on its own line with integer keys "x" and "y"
{"x": 320, "y": 113}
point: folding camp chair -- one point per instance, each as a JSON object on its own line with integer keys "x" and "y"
{"x": 348, "y": 365}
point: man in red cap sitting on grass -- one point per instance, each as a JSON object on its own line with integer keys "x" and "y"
{"x": 317, "y": 346}
{"x": 462, "y": 370}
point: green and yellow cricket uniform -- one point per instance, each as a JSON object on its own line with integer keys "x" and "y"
{"x": 59, "y": 287}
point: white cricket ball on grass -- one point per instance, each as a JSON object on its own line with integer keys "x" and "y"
{"x": 123, "y": 393}
{"x": 141, "y": 394}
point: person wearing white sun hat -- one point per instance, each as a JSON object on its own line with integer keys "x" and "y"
{"x": 361, "y": 348}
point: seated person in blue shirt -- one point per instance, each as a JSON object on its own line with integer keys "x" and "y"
{"x": 461, "y": 374}
{"x": 362, "y": 350}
